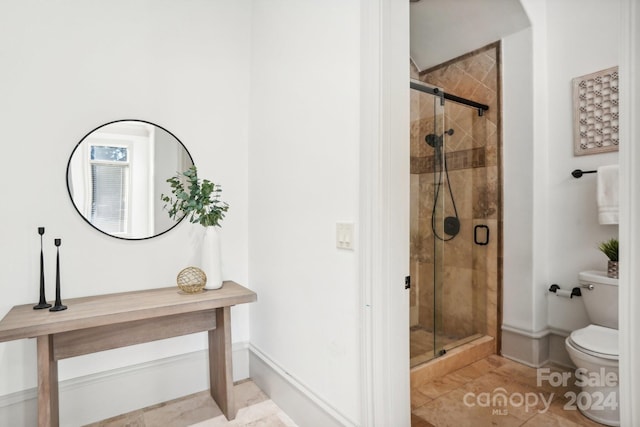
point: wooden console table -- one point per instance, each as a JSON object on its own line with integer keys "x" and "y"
{"x": 104, "y": 322}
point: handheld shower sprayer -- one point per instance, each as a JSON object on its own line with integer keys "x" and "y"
{"x": 451, "y": 224}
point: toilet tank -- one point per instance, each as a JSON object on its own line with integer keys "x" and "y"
{"x": 600, "y": 296}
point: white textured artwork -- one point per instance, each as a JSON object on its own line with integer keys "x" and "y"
{"x": 595, "y": 102}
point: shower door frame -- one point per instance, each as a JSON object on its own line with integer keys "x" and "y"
{"x": 440, "y": 347}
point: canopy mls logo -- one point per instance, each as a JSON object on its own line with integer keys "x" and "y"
{"x": 500, "y": 400}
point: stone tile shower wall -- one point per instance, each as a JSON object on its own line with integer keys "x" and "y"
{"x": 468, "y": 294}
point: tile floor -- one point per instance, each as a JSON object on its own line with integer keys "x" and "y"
{"x": 199, "y": 410}
{"x": 421, "y": 344}
{"x": 441, "y": 402}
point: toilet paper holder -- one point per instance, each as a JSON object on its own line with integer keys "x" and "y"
{"x": 575, "y": 292}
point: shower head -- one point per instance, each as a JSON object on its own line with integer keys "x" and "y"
{"x": 433, "y": 140}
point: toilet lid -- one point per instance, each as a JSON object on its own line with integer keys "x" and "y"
{"x": 597, "y": 339}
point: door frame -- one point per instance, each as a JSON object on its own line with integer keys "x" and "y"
{"x": 384, "y": 213}
{"x": 384, "y": 124}
{"x": 629, "y": 229}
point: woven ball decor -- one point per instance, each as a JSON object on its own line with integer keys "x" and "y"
{"x": 192, "y": 280}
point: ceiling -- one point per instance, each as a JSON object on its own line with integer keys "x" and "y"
{"x": 442, "y": 30}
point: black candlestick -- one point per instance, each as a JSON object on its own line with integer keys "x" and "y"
{"x": 58, "y": 305}
{"x": 43, "y": 301}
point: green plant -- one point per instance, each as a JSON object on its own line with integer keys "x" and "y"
{"x": 200, "y": 200}
{"x": 610, "y": 249}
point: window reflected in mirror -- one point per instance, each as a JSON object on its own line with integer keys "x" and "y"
{"x": 117, "y": 172}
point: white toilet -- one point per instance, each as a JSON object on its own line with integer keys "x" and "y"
{"x": 594, "y": 349}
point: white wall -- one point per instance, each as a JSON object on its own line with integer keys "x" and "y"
{"x": 303, "y": 178}
{"x": 518, "y": 149}
{"x": 71, "y": 65}
{"x": 442, "y": 30}
{"x": 583, "y": 37}
{"x": 550, "y": 218}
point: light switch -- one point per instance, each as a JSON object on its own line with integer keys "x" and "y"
{"x": 344, "y": 235}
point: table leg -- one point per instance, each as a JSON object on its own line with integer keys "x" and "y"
{"x": 47, "y": 383}
{"x": 220, "y": 366}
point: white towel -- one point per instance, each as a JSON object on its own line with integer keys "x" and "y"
{"x": 608, "y": 194}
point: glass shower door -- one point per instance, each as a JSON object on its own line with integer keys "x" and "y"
{"x": 456, "y": 206}
{"x": 427, "y": 213}
{"x": 439, "y": 218}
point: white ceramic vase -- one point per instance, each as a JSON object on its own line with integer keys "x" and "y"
{"x": 211, "y": 261}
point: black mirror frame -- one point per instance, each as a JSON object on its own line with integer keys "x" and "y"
{"x": 69, "y": 189}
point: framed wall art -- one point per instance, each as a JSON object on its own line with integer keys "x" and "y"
{"x": 595, "y": 109}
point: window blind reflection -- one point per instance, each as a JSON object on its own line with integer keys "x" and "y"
{"x": 109, "y": 197}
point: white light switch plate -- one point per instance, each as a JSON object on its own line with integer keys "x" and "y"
{"x": 344, "y": 235}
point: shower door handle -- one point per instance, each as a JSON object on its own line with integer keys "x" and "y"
{"x": 484, "y": 241}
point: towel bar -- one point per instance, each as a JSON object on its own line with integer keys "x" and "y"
{"x": 579, "y": 172}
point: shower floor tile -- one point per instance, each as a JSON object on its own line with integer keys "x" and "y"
{"x": 421, "y": 344}
{"x": 455, "y": 399}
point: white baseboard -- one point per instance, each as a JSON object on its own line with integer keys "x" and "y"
{"x": 106, "y": 394}
{"x": 558, "y": 353}
{"x": 297, "y": 400}
{"x": 527, "y": 347}
{"x": 537, "y": 348}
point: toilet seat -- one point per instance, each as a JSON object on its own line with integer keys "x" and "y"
{"x": 596, "y": 341}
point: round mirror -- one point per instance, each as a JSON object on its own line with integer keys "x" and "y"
{"x": 117, "y": 173}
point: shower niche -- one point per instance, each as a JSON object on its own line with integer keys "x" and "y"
{"x": 455, "y": 205}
